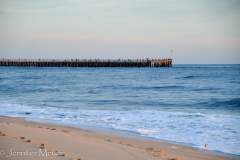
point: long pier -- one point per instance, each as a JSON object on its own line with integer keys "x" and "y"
{"x": 87, "y": 62}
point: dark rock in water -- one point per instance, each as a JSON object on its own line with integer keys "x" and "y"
{"x": 27, "y": 113}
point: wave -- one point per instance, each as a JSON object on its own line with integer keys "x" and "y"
{"x": 190, "y": 77}
{"x": 205, "y": 89}
{"x": 158, "y": 87}
{"x": 230, "y": 103}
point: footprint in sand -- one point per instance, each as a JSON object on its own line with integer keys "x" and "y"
{"x": 66, "y": 131}
{"x": 3, "y": 134}
{"x": 157, "y": 155}
{"x": 64, "y": 155}
{"x": 59, "y": 153}
{"x": 161, "y": 151}
{"x": 29, "y": 141}
{"x": 43, "y": 146}
{"x": 142, "y": 152}
{"x": 19, "y": 137}
{"x": 109, "y": 140}
{"x": 150, "y": 149}
{"x": 50, "y": 128}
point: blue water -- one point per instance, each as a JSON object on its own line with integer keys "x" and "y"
{"x": 191, "y": 104}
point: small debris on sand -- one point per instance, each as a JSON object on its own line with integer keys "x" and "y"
{"x": 206, "y": 145}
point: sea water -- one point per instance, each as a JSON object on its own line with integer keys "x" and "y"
{"x": 189, "y": 104}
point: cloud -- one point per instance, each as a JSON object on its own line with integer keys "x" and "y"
{"x": 76, "y": 21}
{"x": 4, "y": 11}
{"x": 141, "y": 40}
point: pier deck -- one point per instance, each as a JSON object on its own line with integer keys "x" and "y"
{"x": 87, "y": 62}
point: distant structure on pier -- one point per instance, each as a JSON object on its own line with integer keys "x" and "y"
{"x": 87, "y": 62}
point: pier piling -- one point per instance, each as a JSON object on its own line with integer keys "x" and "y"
{"x": 87, "y": 63}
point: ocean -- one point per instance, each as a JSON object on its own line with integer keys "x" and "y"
{"x": 187, "y": 104}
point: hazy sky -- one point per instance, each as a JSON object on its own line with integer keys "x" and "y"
{"x": 198, "y": 31}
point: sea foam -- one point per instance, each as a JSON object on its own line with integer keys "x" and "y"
{"x": 221, "y": 132}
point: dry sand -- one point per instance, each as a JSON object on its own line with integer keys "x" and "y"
{"x": 23, "y": 140}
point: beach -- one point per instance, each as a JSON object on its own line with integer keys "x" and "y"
{"x": 22, "y": 139}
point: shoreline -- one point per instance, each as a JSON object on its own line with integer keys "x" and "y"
{"x": 78, "y": 143}
{"x": 135, "y": 135}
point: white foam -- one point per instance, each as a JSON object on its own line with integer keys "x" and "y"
{"x": 221, "y": 132}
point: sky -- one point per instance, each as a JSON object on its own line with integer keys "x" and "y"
{"x": 197, "y": 31}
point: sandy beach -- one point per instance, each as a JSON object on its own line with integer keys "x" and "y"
{"x": 21, "y": 139}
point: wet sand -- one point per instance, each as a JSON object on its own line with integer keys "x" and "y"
{"x": 27, "y": 140}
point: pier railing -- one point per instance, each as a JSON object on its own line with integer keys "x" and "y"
{"x": 83, "y": 60}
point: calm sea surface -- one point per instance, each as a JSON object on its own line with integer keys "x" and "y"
{"x": 191, "y": 104}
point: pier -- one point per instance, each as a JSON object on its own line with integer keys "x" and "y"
{"x": 87, "y": 62}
